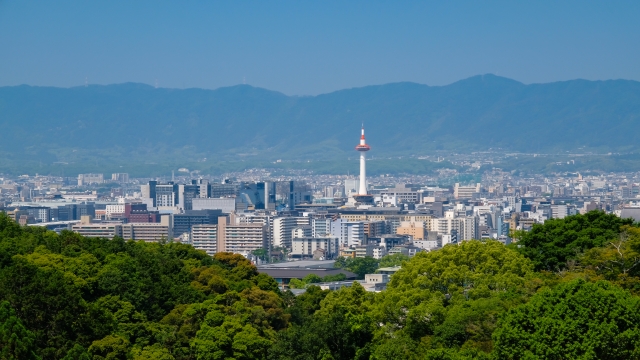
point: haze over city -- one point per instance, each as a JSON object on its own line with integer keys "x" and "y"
{"x": 319, "y": 180}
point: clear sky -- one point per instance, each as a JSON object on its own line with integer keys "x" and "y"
{"x": 311, "y": 47}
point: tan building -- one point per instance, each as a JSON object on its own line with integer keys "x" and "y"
{"x": 240, "y": 239}
{"x": 86, "y": 227}
{"x": 149, "y": 231}
{"x": 416, "y": 229}
{"x": 465, "y": 192}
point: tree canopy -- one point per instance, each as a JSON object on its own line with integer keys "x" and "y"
{"x": 551, "y": 244}
{"x": 70, "y": 297}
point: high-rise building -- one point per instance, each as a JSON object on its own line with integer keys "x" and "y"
{"x": 182, "y": 223}
{"x": 283, "y": 230}
{"x": 240, "y": 239}
{"x": 166, "y": 195}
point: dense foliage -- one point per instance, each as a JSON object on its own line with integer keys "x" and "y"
{"x": 551, "y": 244}
{"x": 75, "y": 297}
{"x": 69, "y": 297}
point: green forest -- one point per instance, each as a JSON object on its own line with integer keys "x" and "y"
{"x": 568, "y": 289}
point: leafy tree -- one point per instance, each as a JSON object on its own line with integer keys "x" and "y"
{"x": 393, "y": 260}
{"x": 551, "y": 244}
{"x": 110, "y": 348}
{"x": 77, "y": 352}
{"x": 575, "y": 320}
{"x": 341, "y": 329}
{"x": 450, "y": 299}
{"x": 16, "y": 342}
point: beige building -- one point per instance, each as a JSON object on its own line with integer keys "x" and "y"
{"x": 241, "y": 239}
{"x": 149, "y": 231}
{"x": 104, "y": 230}
{"x": 465, "y": 192}
{"x": 416, "y": 229}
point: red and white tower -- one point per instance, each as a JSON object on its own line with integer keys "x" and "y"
{"x": 362, "y": 190}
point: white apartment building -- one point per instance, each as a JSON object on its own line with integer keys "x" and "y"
{"x": 114, "y": 209}
{"x": 205, "y": 237}
{"x": 320, "y": 227}
{"x": 559, "y": 211}
{"x": 301, "y": 231}
{"x": 241, "y": 239}
{"x": 349, "y": 233}
{"x": 304, "y": 247}
{"x": 466, "y": 228}
{"x": 283, "y": 230}
{"x": 149, "y": 231}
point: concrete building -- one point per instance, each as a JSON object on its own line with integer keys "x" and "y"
{"x": 149, "y": 231}
{"x": 102, "y": 230}
{"x": 205, "y": 237}
{"x": 559, "y": 211}
{"x": 465, "y": 192}
{"x": 416, "y": 229}
{"x": 402, "y": 193}
{"x": 120, "y": 177}
{"x": 320, "y": 227}
{"x": 349, "y": 233}
{"x": 304, "y": 247}
{"x": 241, "y": 239}
{"x": 166, "y": 195}
{"x": 182, "y": 223}
{"x": 89, "y": 179}
{"x": 301, "y": 231}
{"x": 227, "y": 204}
{"x": 283, "y": 230}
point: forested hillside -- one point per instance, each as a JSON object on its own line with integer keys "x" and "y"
{"x": 568, "y": 290}
{"x": 480, "y": 112}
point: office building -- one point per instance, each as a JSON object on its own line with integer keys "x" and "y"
{"x": 182, "y": 223}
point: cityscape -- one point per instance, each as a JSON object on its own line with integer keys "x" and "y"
{"x": 319, "y": 180}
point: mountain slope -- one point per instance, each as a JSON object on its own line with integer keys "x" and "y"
{"x": 481, "y": 112}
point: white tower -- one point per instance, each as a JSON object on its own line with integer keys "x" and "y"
{"x": 362, "y": 190}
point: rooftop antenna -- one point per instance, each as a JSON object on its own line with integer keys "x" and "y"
{"x": 173, "y": 177}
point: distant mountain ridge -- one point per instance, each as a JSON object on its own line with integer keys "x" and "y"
{"x": 477, "y": 113}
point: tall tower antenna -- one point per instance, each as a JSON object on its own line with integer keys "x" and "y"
{"x": 362, "y": 148}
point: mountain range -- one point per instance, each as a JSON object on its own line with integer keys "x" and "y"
{"x": 478, "y": 113}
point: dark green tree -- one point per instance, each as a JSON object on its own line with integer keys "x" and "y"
{"x": 551, "y": 244}
{"x": 16, "y": 342}
{"x": 575, "y": 320}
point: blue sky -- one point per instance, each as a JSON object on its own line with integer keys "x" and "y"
{"x": 312, "y": 47}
